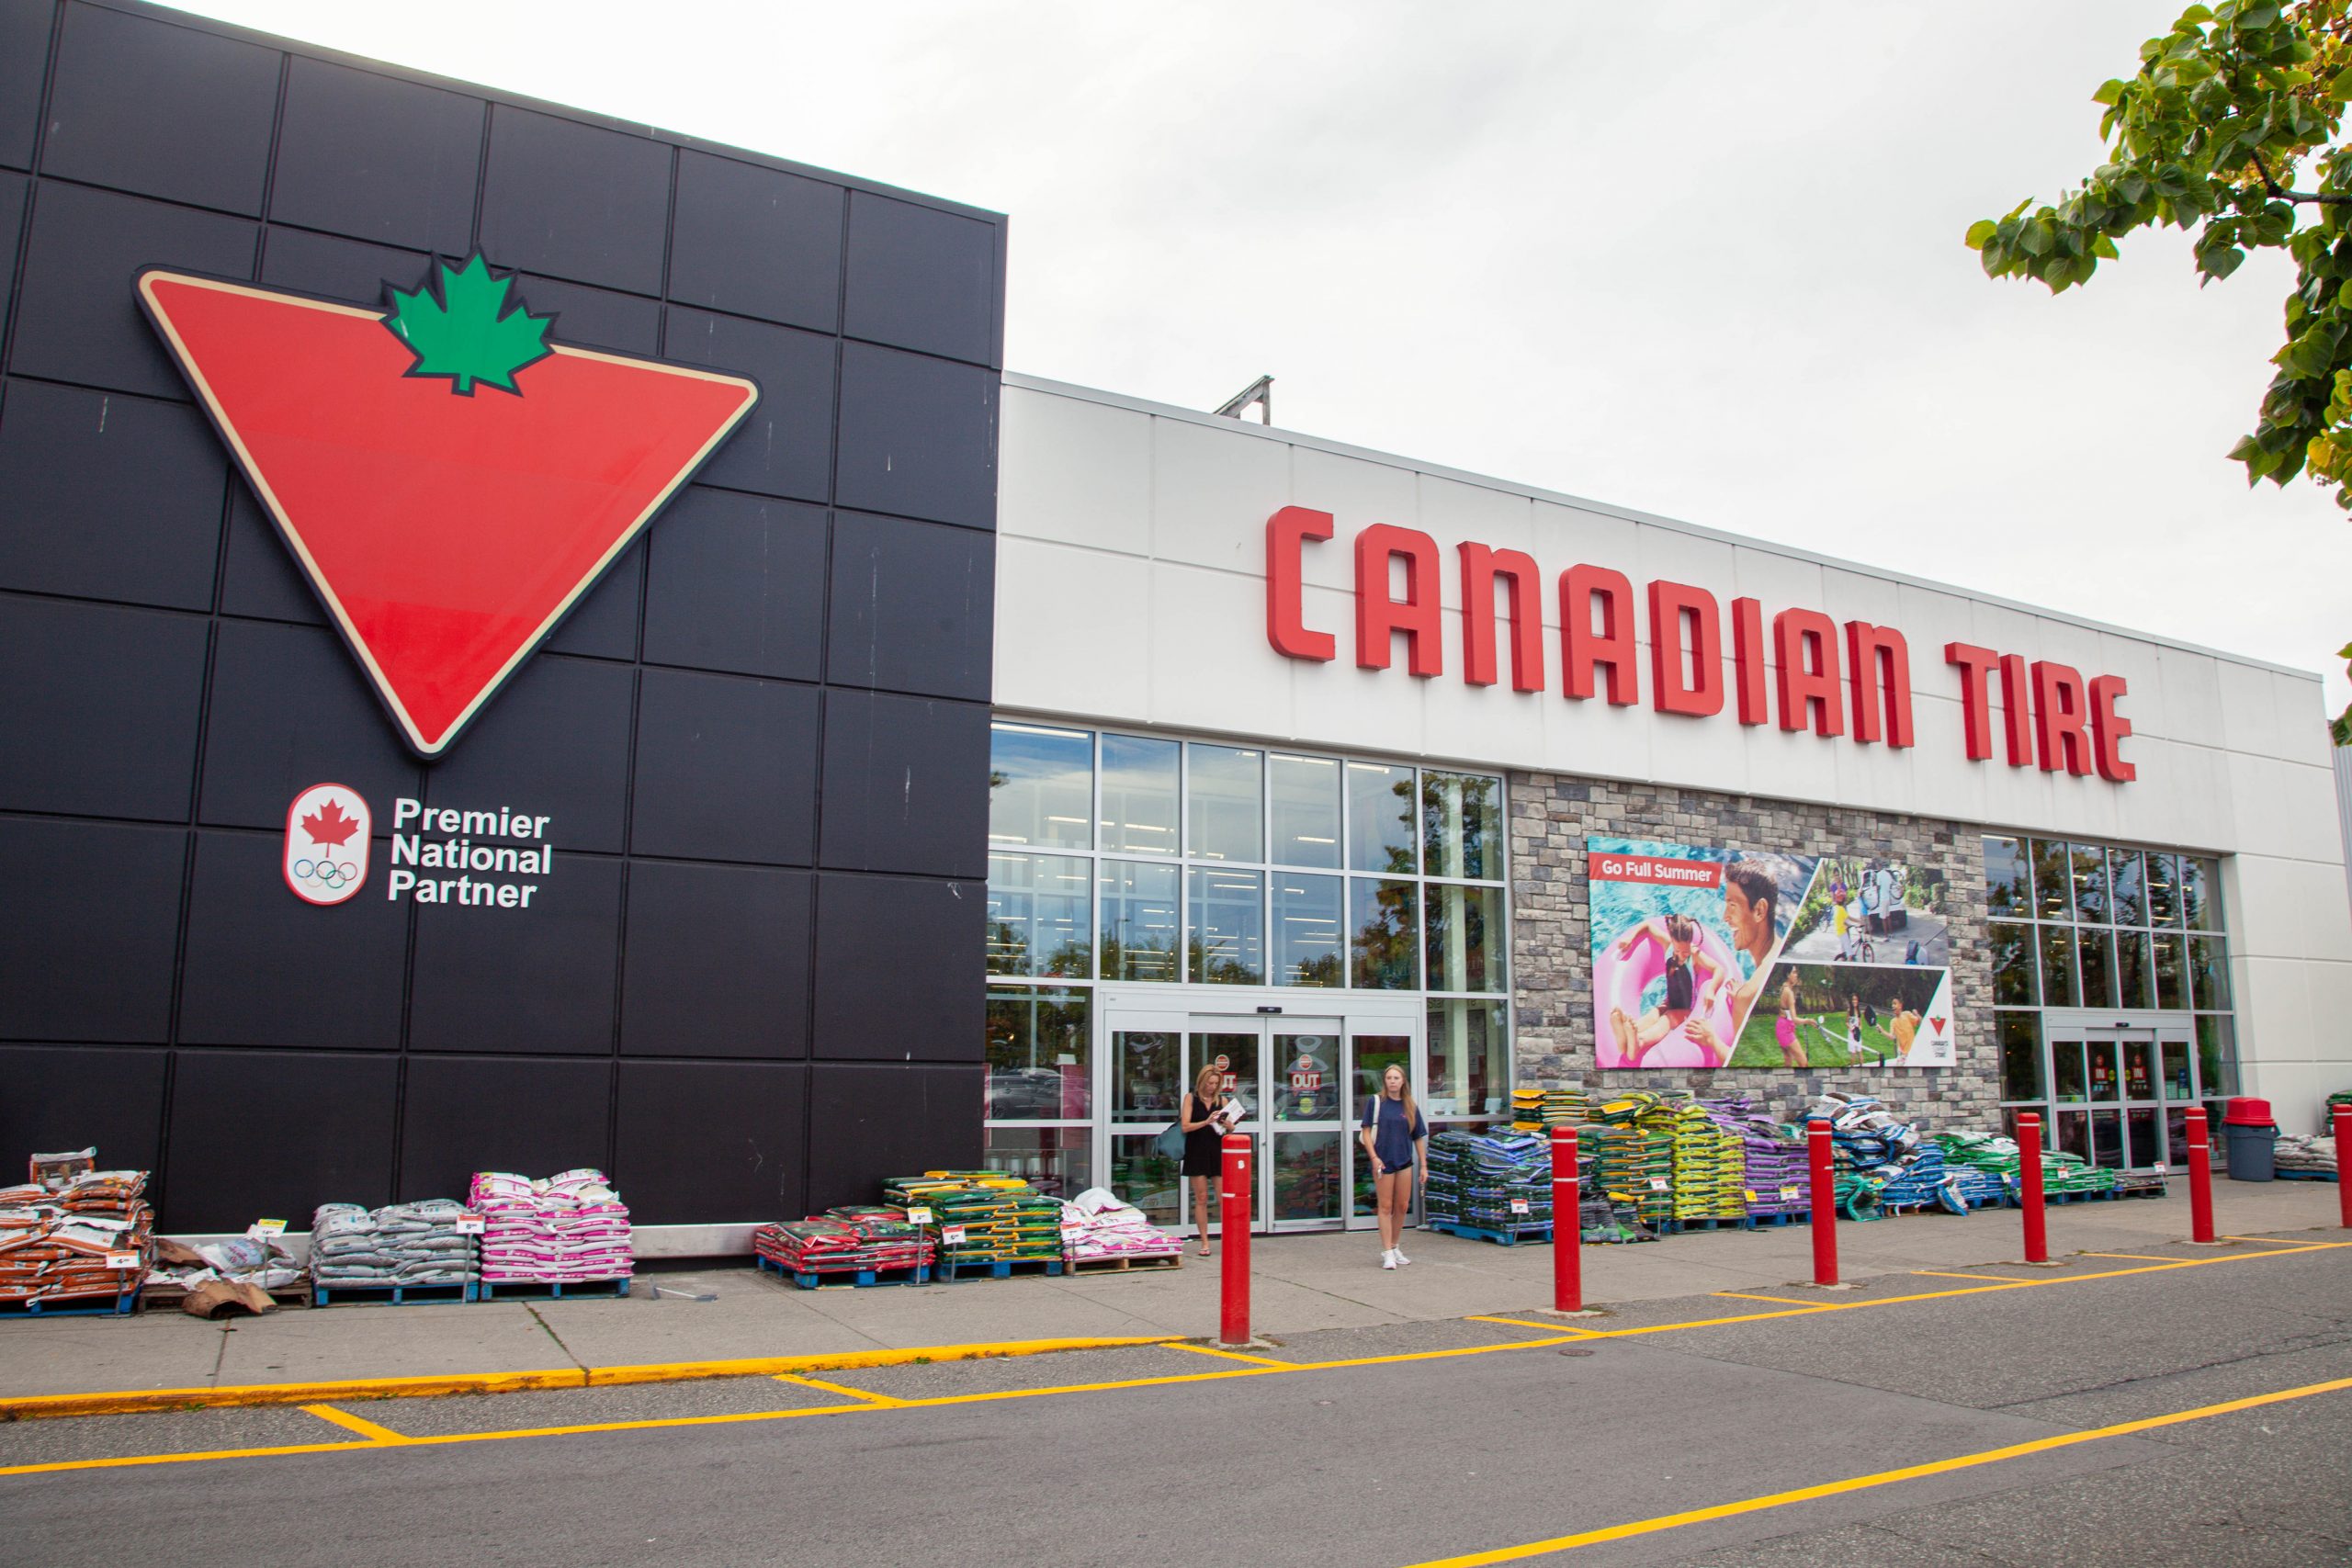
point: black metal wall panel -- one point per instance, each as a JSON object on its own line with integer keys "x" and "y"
{"x": 761, "y": 686}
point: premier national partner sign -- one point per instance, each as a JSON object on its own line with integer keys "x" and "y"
{"x": 1810, "y": 674}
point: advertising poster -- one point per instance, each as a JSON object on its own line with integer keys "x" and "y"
{"x": 1715, "y": 957}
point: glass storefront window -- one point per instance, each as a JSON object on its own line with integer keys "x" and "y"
{"x": 2090, "y": 883}
{"x": 2100, "y": 1054}
{"x": 1038, "y": 918}
{"x": 1224, "y": 797}
{"x": 1059, "y": 1160}
{"x": 1228, "y": 941}
{"x": 2217, "y": 1057}
{"x": 2054, "y": 881}
{"x": 2069, "y": 1085}
{"x": 2097, "y": 949}
{"x": 2171, "y": 993}
{"x": 2008, "y": 877}
{"x": 1308, "y": 931}
{"x": 1384, "y": 940}
{"x": 2126, "y": 883}
{"x": 1041, "y": 786}
{"x": 2020, "y": 1056}
{"x": 1147, "y": 1066}
{"x": 2208, "y": 974}
{"x": 1306, "y": 809}
{"x": 1039, "y": 1059}
{"x": 1381, "y": 819}
{"x": 2139, "y": 1069}
{"x": 2134, "y": 978}
{"x": 1467, "y": 937}
{"x": 1462, "y": 826}
{"x": 2057, "y": 968}
{"x": 2013, "y": 964}
{"x": 2201, "y": 894}
{"x": 1140, "y": 1176}
{"x": 2177, "y": 1084}
{"x": 1138, "y": 920}
{"x": 1139, "y": 794}
{"x": 1469, "y": 1055}
{"x": 2164, "y": 889}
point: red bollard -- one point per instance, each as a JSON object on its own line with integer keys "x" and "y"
{"x": 1825, "y": 1203}
{"x": 2342, "y": 1120}
{"x": 1236, "y": 1179}
{"x": 2037, "y": 1244}
{"x": 2200, "y": 1178}
{"x": 1568, "y": 1225}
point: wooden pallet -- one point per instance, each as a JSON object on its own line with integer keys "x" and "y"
{"x": 551, "y": 1289}
{"x": 168, "y": 1298}
{"x": 72, "y": 1306}
{"x": 1122, "y": 1265}
{"x": 847, "y": 1279}
{"x": 390, "y": 1296}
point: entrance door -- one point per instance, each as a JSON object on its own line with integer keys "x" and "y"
{"x": 2122, "y": 1094}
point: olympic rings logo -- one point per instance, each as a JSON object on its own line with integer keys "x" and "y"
{"x": 329, "y": 875}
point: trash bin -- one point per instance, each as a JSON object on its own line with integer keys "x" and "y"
{"x": 2253, "y": 1151}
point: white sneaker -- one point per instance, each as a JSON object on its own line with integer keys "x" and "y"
{"x": 1388, "y": 1258}
{"x": 1401, "y": 1258}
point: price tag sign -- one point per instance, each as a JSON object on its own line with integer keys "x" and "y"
{"x": 2160, "y": 1169}
{"x": 122, "y": 1260}
{"x": 264, "y": 1230}
{"x": 1789, "y": 1194}
{"x": 1519, "y": 1205}
{"x": 952, "y": 1235}
{"x": 918, "y": 1216}
{"x": 1752, "y": 1194}
{"x": 470, "y": 1224}
{"x": 1658, "y": 1183}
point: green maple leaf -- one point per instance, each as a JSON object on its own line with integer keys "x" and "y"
{"x": 460, "y": 324}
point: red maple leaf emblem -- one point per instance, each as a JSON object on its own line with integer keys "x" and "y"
{"x": 1938, "y": 1024}
{"x": 329, "y": 825}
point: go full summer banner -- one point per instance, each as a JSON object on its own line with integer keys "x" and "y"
{"x": 1713, "y": 957}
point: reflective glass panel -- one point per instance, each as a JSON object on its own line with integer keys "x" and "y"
{"x": 1381, "y": 818}
{"x": 1234, "y": 1057}
{"x": 2054, "y": 881}
{"x": 2171, "y": 990}
{"x": 2106, "y": 1140}
{"x": 1469, "y": 1059}
{"x": 2208, "y": 974}
{"x": 1229, "y": 915}
{"x": 1059, "y": 1160}
{"x": 2068, "y": 1132}
{"x": 1310, "y": 925}
{"x": 1041, "y": 786}
{"x": 2175, "y": 1137}
{"x": 2201, "y": 894}
{"x": 1304, "y": 804}
{"x": 1147, "y": 1071}
{"x": 2090, "y": 883}
{"x": 1139, "y": 794}
{"x": 2164, "y": 889}
{"x": 1373, "y": 1056}
{"x": 2068, "y": 1082}
{"x": 2057, "y": 968}
{"x": 2134, "y": 978}
{"x": 1039, "y": 921}
{"x": 2217, "y": 1059}
{"x": 1306, "y": 1176}
{"x": 2100, "y": 1053}
{"x": 1040, "y": 1067}
{"x": 2139, "y": 1069}
{"x": 1138, "y": 920}
{"x": 1307, "y": 1077}
{"x": 2127, "y": 886}
{"x": 2013, "y": 964}
{"x": 2142, "y": 1137}
{"x": 2008, "y": 877}
{"x": 1384, "y": 940}
{"x": 2097, "y": 968}
{"x": 1141, "y": 1176}
{"x": 2020, "y": 1056}
{"x": 2177, "y": 1084}
{"x": 1466, "y": 937}
{"x": 1462, "y": 826}
{"x": 1225, "y": 797}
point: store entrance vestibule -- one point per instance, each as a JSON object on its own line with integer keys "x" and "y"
{"x": 2122, "y": 1094}
{"x": 1302, "y": 1075}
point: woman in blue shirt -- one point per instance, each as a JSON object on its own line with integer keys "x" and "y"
{"x": 1396, "y": 1140}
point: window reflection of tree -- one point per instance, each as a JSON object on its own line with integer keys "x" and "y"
{"x": 1214, "y": 962}
{"x": 1151, "y": 960}
{"x": 1383, "y": 942}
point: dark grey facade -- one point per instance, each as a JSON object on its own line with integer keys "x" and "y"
{"x": 763, "y": 736}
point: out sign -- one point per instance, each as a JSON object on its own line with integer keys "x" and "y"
{"x": 327, "y": 830}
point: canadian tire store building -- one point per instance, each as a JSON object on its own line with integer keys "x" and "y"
{"x": 912, "y": 764}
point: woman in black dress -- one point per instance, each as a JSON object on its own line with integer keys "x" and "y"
{"x": 1203, "y": 1157}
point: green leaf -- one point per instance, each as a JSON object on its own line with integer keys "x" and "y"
{"x": 2195, "y": 16}
{"x": 460, "y": 324}
{"x": 2109, "y": 92}
{"x": 1980, "y": 232}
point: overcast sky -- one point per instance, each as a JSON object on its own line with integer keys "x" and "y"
{"x": 1704, "y": 259}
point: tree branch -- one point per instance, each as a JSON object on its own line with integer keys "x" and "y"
{"x": 2278, "y": 193}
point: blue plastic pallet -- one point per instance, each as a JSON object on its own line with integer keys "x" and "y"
{"x": 813, "y": 1279}
{"x": 1500, "y": 1238}
{"x": 550, "y": 1290}
{"x": 74, "y": 1306}
{"x": 1791, "y": 1217}
{"x": 390, "y": 1295}
{"x": 2309, "y": 1176}
{"x": 998, "y": 1268}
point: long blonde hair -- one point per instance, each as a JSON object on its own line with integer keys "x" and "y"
{"x": 1406, "y": 1080}
{"x": 1207, "y": 1078}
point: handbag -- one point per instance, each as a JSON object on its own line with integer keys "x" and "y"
{"x": 1170, "y": 1145}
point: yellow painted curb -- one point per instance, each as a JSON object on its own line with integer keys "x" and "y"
{"x": 128, "y": 1402}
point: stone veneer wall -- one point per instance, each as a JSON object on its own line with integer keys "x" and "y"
{"x": 1551, "y": 816}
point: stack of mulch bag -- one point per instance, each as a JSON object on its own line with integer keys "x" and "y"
{"x": 851, "y": 1240}
{"x": 399, "y": 1245}
{"x": 1773, "y": 1172}
{"x": 1494, "y": 1181}
{"x": 571, "y": 1228}
{"x": 1096, "y": 1225}
{"x": 1999, "y": 1156}
{"x": 2295, "y": 1152}
{"x": 74, "y": 1233}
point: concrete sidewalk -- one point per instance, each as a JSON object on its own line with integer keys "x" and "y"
{"x": 1301, "y": 1283}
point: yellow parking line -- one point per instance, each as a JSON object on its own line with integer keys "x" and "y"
{"x": 1529, "y": 1323}
{"x": 824, "y": 1387}
{"x": 351, "y": 1423}
{"x": 2136, "y": 1257}
{"x": 1228, "y": 1354}
{"x": 2012, "y": 1279}
{"x": 1882, "y": 1478}
{"x": 1752, "y": 1296}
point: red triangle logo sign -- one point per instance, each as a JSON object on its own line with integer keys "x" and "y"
{"x": 449, "y": 481}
